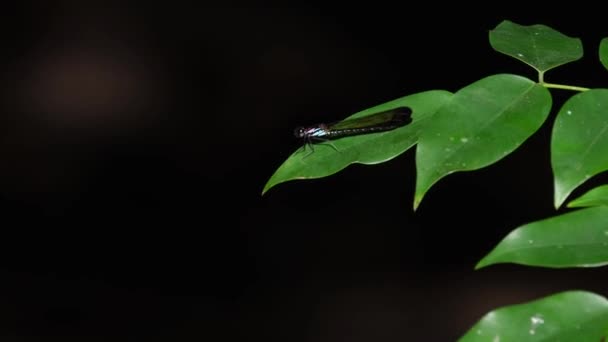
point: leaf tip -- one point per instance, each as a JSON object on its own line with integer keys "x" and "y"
{"x": 269, "y": 185}
{"x": 417, "y": 200}
{"x": 481, "y": 264}
{"x": 560, "y": 195}
{"x": 558, "y": 203}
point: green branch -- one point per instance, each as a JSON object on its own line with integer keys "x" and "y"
{"x": 563, "y": 86}
{"x": 541, "y": 81}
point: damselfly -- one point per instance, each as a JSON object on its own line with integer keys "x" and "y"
{"x": 378, "y": 122}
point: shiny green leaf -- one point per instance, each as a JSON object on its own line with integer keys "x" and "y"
{"x": 579, "y": 142}
{"x": 566, "y": 316}
{"x": 539, "y": 46}
{"x": 594, "y": 197}
{"x": 574, "y": 239}
{"x": 604, "y": 52}
{"x": 364, "y": 149}
{"x": 481, "y": 124}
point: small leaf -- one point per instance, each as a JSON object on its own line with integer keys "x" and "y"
{"x": 594, "y": 197}
{"x": 481, "y": 124}
{"x": 365, "y": 149}
{"x": 566, "y": 316}
{"x": 539, "y": 46}
{"x": 579, "y": 142}
{"x": 604, "y": 52}
{"x": 574, "y": 239}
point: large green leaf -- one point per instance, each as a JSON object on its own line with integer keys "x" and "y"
{"x": 604, "y": 52}
{"x": 539, "y": 46}
{"x": 365, "y": 149}
{"x": 568, "y": 316}
{"x": 579, "y": 142}
{"x": 594, "y": 197}
{"x": 481, "y": 124}
{"x": 574, "y": 239}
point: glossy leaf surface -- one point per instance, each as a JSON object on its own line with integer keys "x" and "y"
{"x": 481, "y": 124}
{"x": 579, "y": 142}
{"x": 566, "y": 316}
{"x": 604, "y": 52}
{"x": 575, "y": 239}
{"x": 539, "y": 46}
{"x": 594, "y": 197}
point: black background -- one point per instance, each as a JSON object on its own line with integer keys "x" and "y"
{"x": 136, "y": 140}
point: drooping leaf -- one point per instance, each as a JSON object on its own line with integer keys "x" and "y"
{"x": 579, "y": 142}
{"x": 481, "y": 124}
{"x": 594, "y": 197}
{"x": 604, "y": 52}
{"x": 539, "y": 46}
{"x": 365, "y": 149}
{"x": 566, "y": 316}
{"x": 574, "y": 239}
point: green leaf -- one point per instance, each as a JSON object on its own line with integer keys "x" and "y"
{"x": 566, "y": 316}
{"x": 604, "y": 52}
{"x": 539, "y": 46}
{"x": 594, "y": 197}
{"x": 365, "y": 149}
{"x": 481, "y": 124}
{"x": 579, "y": 142}
{"x": 574, "y": 239}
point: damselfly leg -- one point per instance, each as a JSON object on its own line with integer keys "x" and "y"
{"x": 322, "y": 142}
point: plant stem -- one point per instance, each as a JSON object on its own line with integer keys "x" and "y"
{"x": 563, "y": 86}
{"x": 541, "y": 81}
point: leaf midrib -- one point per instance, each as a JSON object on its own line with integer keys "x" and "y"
{"x": 487, "y": 124}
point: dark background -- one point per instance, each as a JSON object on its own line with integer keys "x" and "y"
{"x": 136, "y": 140}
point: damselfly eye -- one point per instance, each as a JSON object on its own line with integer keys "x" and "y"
{"x": 299, "y": 132}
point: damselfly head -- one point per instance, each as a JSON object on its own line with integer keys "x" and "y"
{"x": 300, "y": 132}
